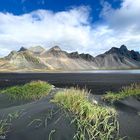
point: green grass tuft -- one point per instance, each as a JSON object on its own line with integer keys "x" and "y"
{"x": 30, "y": 91}
{"x": 129, "y": 91}
{"x": 93, "y": 121}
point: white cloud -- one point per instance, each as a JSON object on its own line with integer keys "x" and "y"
{"x": 124, "y": 21}
{"x": 72, "y": 30}
{"x": 128, "y": 15}
{"x": 69, "y": 29}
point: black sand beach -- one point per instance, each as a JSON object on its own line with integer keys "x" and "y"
{"x": 42, "y": 120}
{"x": 98, "y": 83}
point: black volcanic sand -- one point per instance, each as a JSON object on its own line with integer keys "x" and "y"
{"x": 128, "y": 116}
{"x": 97, "y": 83}
{"x": 41, "y": 120}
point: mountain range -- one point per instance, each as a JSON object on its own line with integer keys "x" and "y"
{"x": 39, "y": 59}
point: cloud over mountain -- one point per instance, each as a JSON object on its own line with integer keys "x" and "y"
{"x": 124, "y": 21}
{"x": 73, "y": 29}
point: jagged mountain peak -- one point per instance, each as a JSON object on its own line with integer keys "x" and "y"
{"x": 112, "y": 50}
{"x": 74, "y": 55}
{"x": 37, "y": 49}
{"x": 22, "y": 49}
{"x": 54, "y": 52}
{"x": 55, "y": 58}
{"x": 55, "y": 48}
{"x": 119, "y": 58}
{"x": 123, "y": 48}
{"x": 84, "y": 56}
{"x": 87, "y": 57}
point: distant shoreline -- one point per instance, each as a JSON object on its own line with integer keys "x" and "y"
{"x": 123, "y": 71}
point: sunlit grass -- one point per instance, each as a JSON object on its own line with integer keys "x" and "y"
{"x": 30, "y": 91}
{"x": 93, "y": 121}
{"x": 129, "y": 91}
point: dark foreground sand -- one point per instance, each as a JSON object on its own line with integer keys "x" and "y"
{"x": 44, "y": 120}
{"x": 38, "y": 120}
{"x": 128, "y": 116}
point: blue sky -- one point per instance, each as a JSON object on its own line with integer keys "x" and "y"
{"x": 18, "y": 7}
{"x": 91, "y": 26}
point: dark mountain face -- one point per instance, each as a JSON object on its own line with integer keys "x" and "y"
{"x": 135, "y": 55}
{"x": 86, "y": 57}
{"x": 124, "y": 52}
{"x": 57, "y": 52}
{"x": 55, "y": 48}
{"x": 22, "y": 49}
{"x": 123, "y": 48}
{"x": 74, "y": 55}
{"x": 119, "y": 58}
{"x": 54, "y": 52}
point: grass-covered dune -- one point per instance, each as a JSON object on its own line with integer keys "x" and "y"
{"x": 129, "y": 91}
{"x": 64, "y": 113}
{"x": 93, "y": 121}
{"x": 30, "y": 91}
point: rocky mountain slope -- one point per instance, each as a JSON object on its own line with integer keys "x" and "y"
{"x": 118, "y": 58}
{"x": 39, "y": 59}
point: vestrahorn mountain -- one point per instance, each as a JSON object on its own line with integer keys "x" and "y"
{"x": 39, "y": 59}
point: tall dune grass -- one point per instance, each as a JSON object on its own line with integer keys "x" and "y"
{"x": 93, "y": 121}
